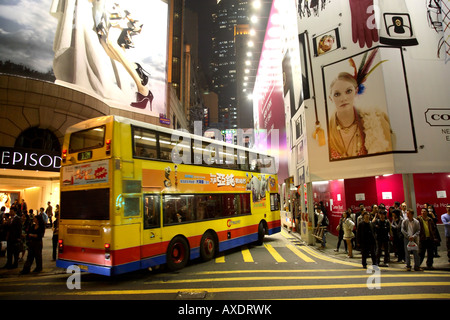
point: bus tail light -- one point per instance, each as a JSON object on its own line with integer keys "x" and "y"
{"x": 60, "y": 245}
{"x": 64, "y": 155}
{"x": 107, "y": 251}
{"x": 108, "y": 146}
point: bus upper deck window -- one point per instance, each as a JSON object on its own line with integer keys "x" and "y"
{"x": 87, "y": 139}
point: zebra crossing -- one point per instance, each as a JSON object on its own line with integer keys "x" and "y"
{"x": 293, "y": 251}
{"x": 296, "y": 252}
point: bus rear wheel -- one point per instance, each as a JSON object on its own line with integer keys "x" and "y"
{"x": 208, "y": 246}
{"x": 177, "y": 253}
{"x": 261, "y": 233}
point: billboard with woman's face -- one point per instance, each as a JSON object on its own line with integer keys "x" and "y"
{"x": 115, "y": 51}
{"x": 367, "y": 114}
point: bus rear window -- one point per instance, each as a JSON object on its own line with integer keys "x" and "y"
{"x": 87, "y": 139}
{"x": 90, "y": 204}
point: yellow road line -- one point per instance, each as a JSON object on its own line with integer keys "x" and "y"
{"x": 239, "y": 289}
{"x": 266, "y": 278}
{"x": 420, "y": 296}
{"x": 246, "y": 255}
{"x": 278, "y": 271}
{"x": 326, "y": 258}
{"x": 274, "y": 253}
{"x": 300, "y": 254}
{"x": 220, "y": 259}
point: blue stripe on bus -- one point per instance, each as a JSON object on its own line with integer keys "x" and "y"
{"x": 274, "y": 230}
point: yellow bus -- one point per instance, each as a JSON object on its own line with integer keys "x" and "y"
{"x": 136, "y": 195}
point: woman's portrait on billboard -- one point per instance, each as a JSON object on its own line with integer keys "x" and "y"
{"x": 354, "y": 128}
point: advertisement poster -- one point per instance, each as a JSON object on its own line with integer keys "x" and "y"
{"x": 362, "y": 109}
{"x": 115, "y": 51}
{"x": 87, "y": 173}
{"x": 171, "y": 179}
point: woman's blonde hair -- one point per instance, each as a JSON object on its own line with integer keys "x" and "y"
{"x": 345, "y": 76}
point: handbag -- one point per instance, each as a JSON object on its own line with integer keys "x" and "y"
{"x": 3, "y": 245}
{"x": 412, "y": 246}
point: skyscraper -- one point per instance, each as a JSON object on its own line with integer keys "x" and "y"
{"x": 227, "y": 15}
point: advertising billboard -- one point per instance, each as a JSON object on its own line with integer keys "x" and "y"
{"x": 268, "y": 97}
{"x": 115, "y": 51}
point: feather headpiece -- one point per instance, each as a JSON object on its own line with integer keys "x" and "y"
{"x": 362, "y": 73}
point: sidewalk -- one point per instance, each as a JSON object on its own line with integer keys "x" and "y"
{"x": 440, "y": 263}
{"x": 48, "y": 266}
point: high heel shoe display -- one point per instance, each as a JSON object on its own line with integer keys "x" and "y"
{"x": 142, "y": 100}
{"x": 142, "y": 74}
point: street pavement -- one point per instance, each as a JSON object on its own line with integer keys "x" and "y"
{"x": 49, "y": 266}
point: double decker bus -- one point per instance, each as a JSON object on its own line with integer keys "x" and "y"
{"x": 136, "y": 195}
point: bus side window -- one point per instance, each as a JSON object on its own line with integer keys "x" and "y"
{"x": 253, "y": 161}
{"x": 243, "y": 160}
{"x": 144, "y": 143}
{"x": 198, "y": 152}
{"x": 274, "y": 201}
{"x": 152, "y": 211}
{"x": 165, "y": 147}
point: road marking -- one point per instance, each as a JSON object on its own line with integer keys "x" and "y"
{"x": 240, "y": 289}
{"x": 267, "y": 278}
{"x": 247, "y": 255}
{"x": 274, "y": 253}
{"x": 324, "y": 257}
{"x": 419, "y": 296}
{"x": 276, "y": 271}
{"x": 300, "y": 254}
{"x": 220, "y": 258}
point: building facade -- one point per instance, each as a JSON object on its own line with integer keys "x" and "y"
{"x": 82, "y": 67}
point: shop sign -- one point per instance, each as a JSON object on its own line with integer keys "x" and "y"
{"x": 438, "y": 117}
{"x": 29, "y": 159}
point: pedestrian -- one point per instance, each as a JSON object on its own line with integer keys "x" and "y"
{"x": 373, "y": 211}
{"x": 3, "y": 230}
{"x": 322, "y": 223}
{"x": 383, "y": 233}
{"x": 411, "y": 232}
{"x": 25, "y": 225}
{"x": 366, "y": 240}
{"x": 340, "y": 234}
{"x": 404, "y": 210}
{"x": 43, "y": 215}
{"x": 23, "y": 206}
{"x": 13, "y": 239}
{"x": 427, "y": 238}
{"x": 397, "y": 236}
{"x": 446, "y": 221}
{"x": 35, "y": 234}
{"x": 55, "y": 234}
{"x": 352, "y": 216}
{"x": 348, "y": 225}
{"x": 49, "y": 213}
{"x": 432, "y": 214}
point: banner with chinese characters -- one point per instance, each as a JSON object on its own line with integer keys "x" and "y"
{"x": 173, "y": 180}
{"x": 86, "y": 173}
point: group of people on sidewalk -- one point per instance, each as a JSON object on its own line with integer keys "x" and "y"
{"x": 378, "y": 232}
{"x": 22, "y": 231}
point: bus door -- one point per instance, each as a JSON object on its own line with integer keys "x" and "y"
{"x": 152, "y": 252}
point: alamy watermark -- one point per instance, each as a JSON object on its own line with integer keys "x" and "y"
{"x": 74, "y": 280}
{"x": 219, "y": 153}
{"x": 374, "y": 280}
